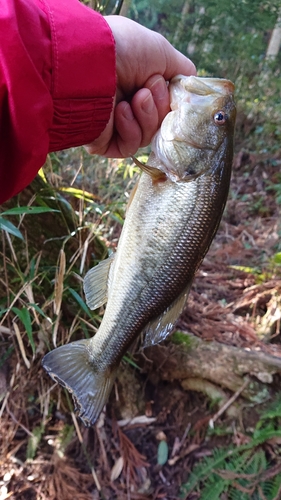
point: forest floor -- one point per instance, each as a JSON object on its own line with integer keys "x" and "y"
{"x": 235, "y": 300}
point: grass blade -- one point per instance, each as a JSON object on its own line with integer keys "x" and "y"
{"x": 6, "y": 225}
{"x": 28, "y": 210}
{"x": 24, "y": 316}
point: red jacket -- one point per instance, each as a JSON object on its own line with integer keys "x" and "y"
{"x": 57, "y": 83}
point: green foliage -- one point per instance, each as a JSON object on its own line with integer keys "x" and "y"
{"x": 24, "y": 315}
{"x": 105, "y": 7}
{"x": 276, "y": 186}
{"x": 8, "y": 226}
{"x": 277, "y": 258}
{"x": 64, "y": 438}
{"x": 42, "y": 299}
{"x": 228, "y": 40}
{"x": 182, "y": 338}
{"x": 33, "y": 442}
{"x": 162, "y": 453}
{"x": 242, "y": 472}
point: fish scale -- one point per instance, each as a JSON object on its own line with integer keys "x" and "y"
{"x": 169, "y": 226}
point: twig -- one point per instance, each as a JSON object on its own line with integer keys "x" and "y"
{"x": 27, "y": 431}
{"x": 79, "y": 435}
{"x": 80, "y": 438}
{"x": 228, "y": 403}
{"x": 7, "y": 395}
{"x": 21, "y": 346}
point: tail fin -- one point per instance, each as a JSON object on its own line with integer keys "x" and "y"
{"x": 73, "y": 367}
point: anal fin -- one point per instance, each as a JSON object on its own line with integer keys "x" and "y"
{"x": 96, "y": 283}
{"x": 73, "y": 367}
{"x": 158, "y": 330}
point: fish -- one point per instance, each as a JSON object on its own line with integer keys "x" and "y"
{"x": 171, "y": 220}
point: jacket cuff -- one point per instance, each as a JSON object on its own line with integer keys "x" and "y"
{"x": 83, "y": 73}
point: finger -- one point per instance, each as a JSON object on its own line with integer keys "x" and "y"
{"x": 146, "y": 114}
{"x": 159, "y": 90}
{"x": 129, "y": 134}
{"x": 124, "y": 141}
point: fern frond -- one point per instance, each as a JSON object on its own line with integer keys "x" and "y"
{"x": 205, "y": 468}
{"x": 213, "y": 490}
{"x": 275, "y": 487}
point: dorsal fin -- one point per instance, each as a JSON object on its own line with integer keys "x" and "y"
{"x": 96, "y": 283}
{"x": 159, "y": 329}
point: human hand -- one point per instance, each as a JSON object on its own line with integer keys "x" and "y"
{"x": 145, "y": 60}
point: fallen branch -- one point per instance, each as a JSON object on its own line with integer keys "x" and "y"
{"x": 187, "y": 356}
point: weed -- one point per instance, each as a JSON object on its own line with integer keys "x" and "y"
{"x": 246, "y": 472}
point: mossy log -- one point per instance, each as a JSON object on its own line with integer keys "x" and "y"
{"x": 187, "y": 356}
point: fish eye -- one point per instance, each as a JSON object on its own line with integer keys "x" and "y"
{"x": 220, "y": 117}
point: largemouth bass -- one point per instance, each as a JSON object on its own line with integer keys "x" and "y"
{"x": 170, "y": 223}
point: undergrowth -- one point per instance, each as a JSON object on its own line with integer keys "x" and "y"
{"x": 51, "y": 235}
{"x": 251, "y": 471}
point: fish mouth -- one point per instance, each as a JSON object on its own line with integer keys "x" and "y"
{"x": 200, "y": 91}
{"x": 205, "y": 86}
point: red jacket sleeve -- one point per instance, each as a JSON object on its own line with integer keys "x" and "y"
{"x": 57, "y": 83}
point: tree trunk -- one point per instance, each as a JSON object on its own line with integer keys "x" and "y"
{"x": 275, "y": 40}
{"x": 125, "y": 8}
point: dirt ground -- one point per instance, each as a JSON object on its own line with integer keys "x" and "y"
{"x": 235, "y": 300}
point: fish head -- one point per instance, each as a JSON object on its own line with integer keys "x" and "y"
{"x": 199, "y": 128}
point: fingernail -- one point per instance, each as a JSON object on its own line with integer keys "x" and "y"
{"x": 148, "y": 104}
{"x": 159, "y": 88}
{"x": 127, "y": 113}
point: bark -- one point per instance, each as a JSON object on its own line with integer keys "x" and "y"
{"x": 125, "y": 8}
{"x": 223, "y": 365}
{"x": 275, "y": 40}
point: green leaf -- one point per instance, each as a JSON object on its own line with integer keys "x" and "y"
{"x": 6, "y": 225}
{"x": 131, "y": 362}
{"x": 80, "y": 301}
{"x": 162, "y": 453}
{"x": 28, "y": 210}
{"x": 33, "y": 442}
{"x": 24, "y": 316}
{"x": 38, "y": 309}
{"x": 277, "y": 258}
{"x": 3, "y": 311}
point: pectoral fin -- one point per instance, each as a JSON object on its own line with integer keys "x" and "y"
{"x": 159, "y": 329}
{"x": 96, "y": 283}
{"x": 156, "y": 174}
{"x": 74, "y": 368}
